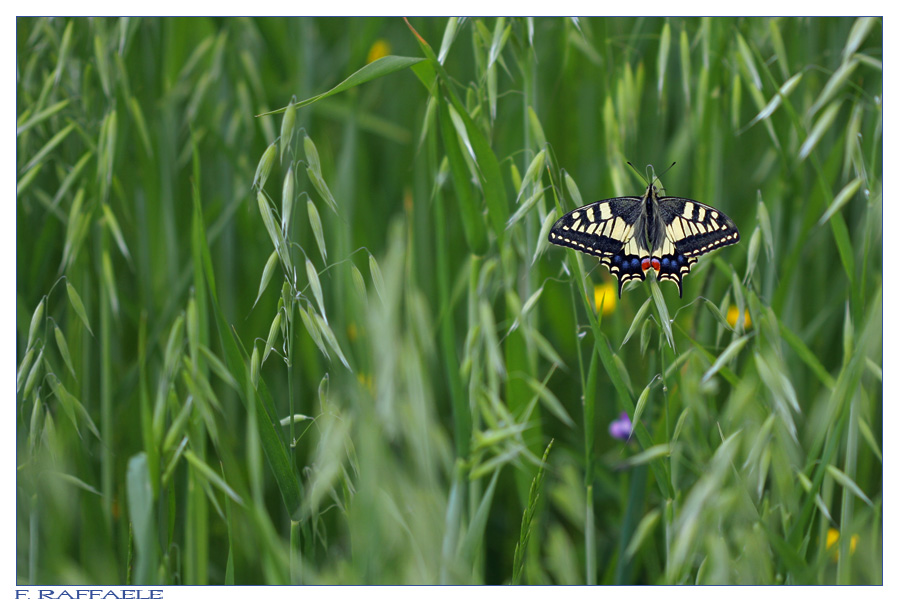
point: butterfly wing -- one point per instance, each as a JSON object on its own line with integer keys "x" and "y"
{"x": 687, "y": 229}
{"x": 608, "y": 229}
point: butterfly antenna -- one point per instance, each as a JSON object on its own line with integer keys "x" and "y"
{"x": 637, "y": 171}
{"x": 673, "y": 163}
{"x": 650, "y": 169}
{"x": 656, "y": 178}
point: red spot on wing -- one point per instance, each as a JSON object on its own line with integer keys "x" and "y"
{"x": 653, "y": 263}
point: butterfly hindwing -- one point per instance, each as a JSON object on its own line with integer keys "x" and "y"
{"x": 632, "y": 234}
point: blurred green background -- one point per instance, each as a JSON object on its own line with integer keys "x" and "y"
{"x": 262, "y": 342}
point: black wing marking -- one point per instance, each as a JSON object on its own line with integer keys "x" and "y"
{"x": 690, "y": 229}
{"x": 613, "y": 230}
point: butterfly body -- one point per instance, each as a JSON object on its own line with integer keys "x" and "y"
{"x": 631, "y": 234}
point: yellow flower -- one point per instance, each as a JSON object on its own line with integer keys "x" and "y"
{"x": 733, "y": 313}
{"x": 351, "y": 332}
{"x": 366, "y": 381}
{"x": 606, "y": 296}
{"x": 833, "y": 536}
{"x": 379, "y": 49}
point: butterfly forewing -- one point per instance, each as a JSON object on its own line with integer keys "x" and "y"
{"x": 630, "y": 235}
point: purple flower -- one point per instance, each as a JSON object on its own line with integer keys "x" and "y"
{"x": 621, "y": 428}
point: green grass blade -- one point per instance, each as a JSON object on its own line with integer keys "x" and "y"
{"x": 143, "y": 523}
{"x": 379, "y": 68}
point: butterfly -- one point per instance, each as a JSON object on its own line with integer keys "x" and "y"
{"x": 632, "y": 234}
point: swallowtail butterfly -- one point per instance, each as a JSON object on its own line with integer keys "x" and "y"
{"x": 633, "y": 234}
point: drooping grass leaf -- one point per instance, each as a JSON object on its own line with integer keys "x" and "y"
{"x": 379, "y": 68}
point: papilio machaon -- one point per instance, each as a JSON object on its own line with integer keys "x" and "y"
{"x": 633, "y": 234}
